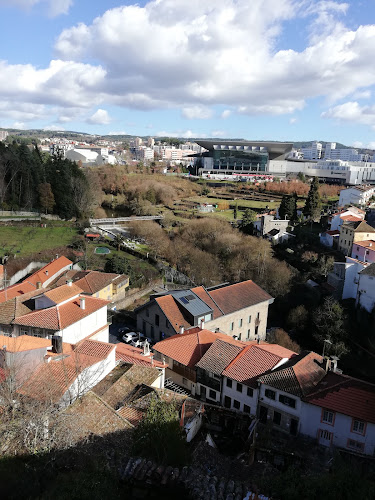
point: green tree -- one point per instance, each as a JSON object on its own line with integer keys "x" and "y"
{"x": 329, "y": 322}
{"x": 248, "y": 217}
{"x": 313, "y": 203}
{"x": 288, "y": 207}
{"x": 301, "y": 177}
{"x": 235, "y": 211}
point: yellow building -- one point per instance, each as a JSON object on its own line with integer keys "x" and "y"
{"x": 107, "y": 286}
{"x": 351, "y": 232}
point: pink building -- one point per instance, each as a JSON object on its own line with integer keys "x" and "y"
{"x": 364, "y": 251}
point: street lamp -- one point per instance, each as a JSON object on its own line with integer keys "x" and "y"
{"x": 325, "y": 341}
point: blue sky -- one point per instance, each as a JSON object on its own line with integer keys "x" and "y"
{"x": 265, "y": 69}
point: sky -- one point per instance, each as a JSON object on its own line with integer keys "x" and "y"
{"x": 260, "y": 70}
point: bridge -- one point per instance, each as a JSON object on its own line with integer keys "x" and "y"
{"x": 114, "y": 220}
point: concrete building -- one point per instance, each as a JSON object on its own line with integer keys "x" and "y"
{"x": 366, "y": 288}
{"x": 345, "y": 154}
{"x": 3, "y": 135}
{"x": 352, "y": 232}
{"x": 358, "y": 195}
{"x": 344, "y": 278}
{"x": 239, "y": 310}
{"x": 268, "y": 223}
{"x": 352, "y": 214}
{"x": 314, "y": 152}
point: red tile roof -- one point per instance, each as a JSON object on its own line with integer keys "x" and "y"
{"x": 17, "y": 290}
{"x": 239, "y": 296}
{"x": 350, "y": 218}
{"x": 23, "y": 343}
{"x": 204, "y": 295}
{"x": 52, "y": 379}
{"x": 365, "y": 244}
{"x": 345, "y": 395}
{"x": 220, "y": 355}
{"x": 255, "y": 360}
{"x": 63, "y": 293}
{"x": 61, "y": 316}
{"x": 133, "y": 355}
{"x": 299, "y": 376}
{"x": 189, "y": 347}
{"x": 171, "y": 310}
{"x": 132, "y": 415}
{"x": 49, "y": 270}
{"x": 333, "y": 233}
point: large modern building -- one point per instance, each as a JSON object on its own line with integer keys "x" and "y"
{"x": 239, "y": 158}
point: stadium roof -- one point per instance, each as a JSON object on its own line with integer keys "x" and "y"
{"x": 276, "y": 150}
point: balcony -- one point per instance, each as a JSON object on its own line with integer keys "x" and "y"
{"x": 184, "y": 371}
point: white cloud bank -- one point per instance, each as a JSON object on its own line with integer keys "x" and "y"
{"x": 55, "y": 7}
{"x": 193, "y": 55}
{"x": 352, "y": 112}
{"x": 100, "y": 117}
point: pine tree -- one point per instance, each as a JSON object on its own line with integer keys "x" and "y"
{"x": 313, "y": 203}
{"x": 288, "y": 207}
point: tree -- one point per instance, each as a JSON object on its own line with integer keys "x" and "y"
{"x": 325, "y": 265}
{"x": 329, "y": 322}
{"x": 248, "y": 217}
{"x": 288, "y": 207}
{"x": 46, "y": 197}
{"x": 298, "y": 318}
{"x": 280, "y": 337}
{"x": 301, "y": 177}
{"x": 313, "y": 203}
{"x": 235, "y": 211}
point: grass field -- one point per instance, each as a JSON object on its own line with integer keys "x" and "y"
{"x": 27, "y": 240}
{"x": 244, "y": 203}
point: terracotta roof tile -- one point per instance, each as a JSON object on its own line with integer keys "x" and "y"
{"x": 171, "y": 310}
{"x": 189, "y": 347}
{"x": 220, "y": 355}
{"x": 61, "y": 316}
{"x": 365, "y": 244}
{"x": 345, "y": 395}
{"x": 255, "y": 360}
{"x": 350, "y": 218}
{"x": 17, "y": 290}
{"x": 203, "y": 294}
{"x": 49, "y": 270}
{"x": 133, "y": 355}
{"x": 238, "y": 296}
{"x": 91, "y": 281}
{"x": 132, "y": 415}
{"x": 23, "y": 343}
{"x": 299, "y": 376}
{"x": 63, "y": 293}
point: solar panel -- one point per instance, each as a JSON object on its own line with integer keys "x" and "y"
{"x": 190, "y": 297}
{"x": 184, "y": 300}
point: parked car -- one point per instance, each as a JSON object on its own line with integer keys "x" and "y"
{"x": 124, "y": 329}
{"x": 130, "y": 336}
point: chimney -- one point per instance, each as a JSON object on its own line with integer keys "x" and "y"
{"x": 82, "y": 302}
{"x": 57, "y": 256}
{"x": 69, "y": 282}
{"x": 182, "y": 329}
{"x": 46, "y": 272}
{"x": 202, "y": 324}
{"x": 38, "y": 285}
{"x": 334, "y": 360}
{"x": 146, "y": 348}
{"x": 57, "y": 344}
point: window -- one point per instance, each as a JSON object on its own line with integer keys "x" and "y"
{"x": 270, "y": 394}
{"x": 249, "y": 319}
{"x": 24, "y": 331}
{"x": 355, "y": 445}
{"x": 229, "y": 382}
{"x": 358, "y": 427}
{"x": 232, "y": 326}
{"x": 326, "y": 435}
{"x": 248, "y": 334}
{"x": 276, "y": 418}
{"x": 236, "y": 404}
{"x": 152, "y": 333}
{"x": 256, "y": 330}
{"x": 240, "y": 323}
{"x": 239, "y": 387}
{"x": 328, "y": 417}
{"x": 246, "y": 409}
{"x": 157, "y": 320}
{"x": 144, "y": 327}
{"x": 184, "y": 381}
{"x": 258, "y": 315}
{"x": 287, "y": 401}
{"x": 212, "y": 394}
{"x": 250, "y": 392}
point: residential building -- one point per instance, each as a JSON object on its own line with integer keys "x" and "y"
{"x": 352, "y": 214}
{"x": 63, "y": 378}
{"x": 364, "y": 251}
{"x": 341, "y": 413}
{"x": 3, "y": 135}
{"x": 240, "y": 310}
{"x": 64, "y": 311}
{"x": 345, "y": 278}
{"x": 358, "y": 195}
{"x": 366, "y": 288}
{"x": 267, "y": 223}
{"x": 330, "y": 239}
{"x": 345, "y": 154}
{"x": 281, "y": 391}
{"x": 106, "y": 286}
{"x": 351, "y": 232}
{"x": 182, "y": 352}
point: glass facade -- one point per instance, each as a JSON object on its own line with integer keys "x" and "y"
{"x": 240, "y": 159}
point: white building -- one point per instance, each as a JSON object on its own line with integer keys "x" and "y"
{"x": 3, "y": 135}
{"x": 366, "y": 288}
{"x": 314, "y": 152}
{"x": 358, "y": 195}
{"x": 345, "y": 154}
{"x": 345, "y": 278}
{"x": 85, "y": 156}
{"x": 352, "y": 214}
{"x": 341, "y": 413}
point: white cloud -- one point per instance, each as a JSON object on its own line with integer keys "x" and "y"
{"x": 193, "y": 55}
{"x": 293, "y": 120}
{"x": 219, "y": 133}
{"x": 362, "y": 94}
{"x": 119, "y": 132}
{"x": 352, "y": 112}
{"x": 54, "y": 128}
{"x": 55, "y": 7}
{"x": 18, "y": 125}
{"x": 100, "y": 117}
{"x": 197, "y": 112}
{"x": 357, "y": 144}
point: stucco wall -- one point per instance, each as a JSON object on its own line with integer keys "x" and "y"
{"x": 366, "y": 292}
{"x": 242, "y": 397}
{"x": 81, "y": 329}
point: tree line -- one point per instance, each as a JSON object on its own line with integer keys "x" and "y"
{"x": 31, "y": 180}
